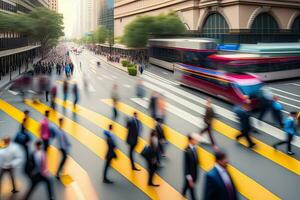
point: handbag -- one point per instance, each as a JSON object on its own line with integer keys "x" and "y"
{"x": 146, "y": 152}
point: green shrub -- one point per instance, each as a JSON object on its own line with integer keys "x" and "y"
{"x": 125, "y": 63}
{"x": 132, "y": 71}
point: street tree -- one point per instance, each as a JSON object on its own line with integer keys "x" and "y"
{"x": 137, "y": 32}
{"x": 41, "y": 25}
{"x": 101, "y": 34}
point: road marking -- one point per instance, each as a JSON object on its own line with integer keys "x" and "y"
{"x": 259, "y": 125}
{"x": 288, "y": 104}
{"x": 286, "y": 97}
{"x": 53, "y": 154}
{"x": 262, "y": 149}
{"x": 122, "y": 165}
{"x": 13, "y": 92}
{"x": 150, "y": 75}
{"x": 294, "y": 84}
{"x": 107, "y": 77}
{"x": 285, "y": 92}
{"x": 246, "y": 186}
{"x": 99, "y": 78}
{"x": 127, "y": 86}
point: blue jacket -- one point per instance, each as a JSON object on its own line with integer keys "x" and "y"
{"x": 290, "y": 126}
{"x": 277, "y": 106}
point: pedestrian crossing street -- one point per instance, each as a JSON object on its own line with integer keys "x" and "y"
{"x": 182, "y": 105}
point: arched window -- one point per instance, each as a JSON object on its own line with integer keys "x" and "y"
{"x": 264, "y": 23}
{"x": 214, "y": 26}
{"x": 296, "y": 25}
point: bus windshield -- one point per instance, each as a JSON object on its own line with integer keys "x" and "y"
{"x": 249, "y": 90}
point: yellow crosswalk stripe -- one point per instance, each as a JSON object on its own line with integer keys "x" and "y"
{"x": 53, "y": 156}
{"x": 288, "y": 162}
{"x": 121, "y": 165}
{"x": 245, "y": 185}
{"x": 101, "y": 121}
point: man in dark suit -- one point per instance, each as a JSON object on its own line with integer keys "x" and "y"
{"x": 218, "y": 183}
{"x": 244, "y": 118}
{"x": 191, "y": 165}
{"x": 110, "y": 152}
{"x": 134, "y": 128}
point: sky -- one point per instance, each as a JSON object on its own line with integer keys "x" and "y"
{"x": 68, "y": 9}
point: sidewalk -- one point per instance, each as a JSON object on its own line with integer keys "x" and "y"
{"x": 6, "y": 79}
{"x": 114, "y": 64}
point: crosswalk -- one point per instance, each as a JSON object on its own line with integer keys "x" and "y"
{"x": 181, "y": 104}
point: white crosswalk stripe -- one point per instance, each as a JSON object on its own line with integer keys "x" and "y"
{"x": 175, "y": 94}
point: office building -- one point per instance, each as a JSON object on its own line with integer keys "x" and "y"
{"x": 53, "y": 5}
{"x": 16, "y": 49}
{"x": 215, "y": 17}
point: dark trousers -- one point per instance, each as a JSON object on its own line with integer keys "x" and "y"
{"x": 151, "y": 170}
{"x": 207, "y": 129}
{"x": 47, "y": 95}
{"x": 288, "y": 141}
{"x": 52, "y": 103}
{"x": 46, "y": 144}
{"x": 10, "y": 171}
{"x": 107, "y": 165}
{"x": 245, "y": 133}
{"x": 187, "y": 187}
{"x": 62, "y": 162}
{"x": 39, "y": 178}
{"x": 278, "y": 117}
{"x": 131, "y": 153}
{"x": 115, "y": 113}
{"x": 75, "y": 101}
{"x": 265, "y": 107}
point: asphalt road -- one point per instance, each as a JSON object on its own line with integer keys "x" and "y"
{"x": 260, "y": 174}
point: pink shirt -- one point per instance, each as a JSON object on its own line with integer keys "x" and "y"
{"x": 45, "y": 131}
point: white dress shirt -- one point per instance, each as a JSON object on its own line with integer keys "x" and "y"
{"x": 11, "y": 156}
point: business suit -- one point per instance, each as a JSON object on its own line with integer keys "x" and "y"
{"x": 161, "y": 137}
{"x": 111, "y": 154}
{"x": 244, "y": 118}
{"x": 190, "y": 169}
{"x": 208, "y": 117}
{"x": 216, "y": 189}
{"x": 134, "y": 127}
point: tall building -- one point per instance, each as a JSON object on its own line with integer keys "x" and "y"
{"x": 15, "y": 48}
{"x": 215, "y": 17}
{"x": 106, "y": 17}
{"x": 53, "y": 5}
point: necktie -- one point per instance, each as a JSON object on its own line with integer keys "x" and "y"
{"x": 229, "y": 187}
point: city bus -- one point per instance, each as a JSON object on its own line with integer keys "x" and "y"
{"x": 269, "y": 61}
{"x": 166, "y": 52}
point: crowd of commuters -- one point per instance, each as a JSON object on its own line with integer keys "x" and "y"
{"x": 218, "y": 184}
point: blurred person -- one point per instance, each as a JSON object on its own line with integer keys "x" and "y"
{"x": 64, "y": 146}
{"x": 25, "y": 121}
{"x": 161, "y": 137}
{"x": 152, "y": 157}
{"x": 53, "y": 95}
{"x": 265, "y": 98}
{"x": 290, "y": 128}
{"x": 153, "y": 105}
{"x": 75, "y": 94}
{"x": 11, "y": 157}
{"x": 115, "y": 98}
{"x": 71, "y": 68}
{"x": 218, "y": 182}
{"x": 244, "y": 118}
{"x": 190, "y": 164}
{"x": 277, "y": 109}
{"x": 111, "y": 154}
{"x": 140, "y": 89}
{"x": 39, "y": 171}
{"x": 134, "y": 128}
{"x": 23, "y": 138}
{"x": 208, "y": 118}
{"x": 161, "y": 108}
{"x": 65, "y": 89}
{"x": 45, "y": 133}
